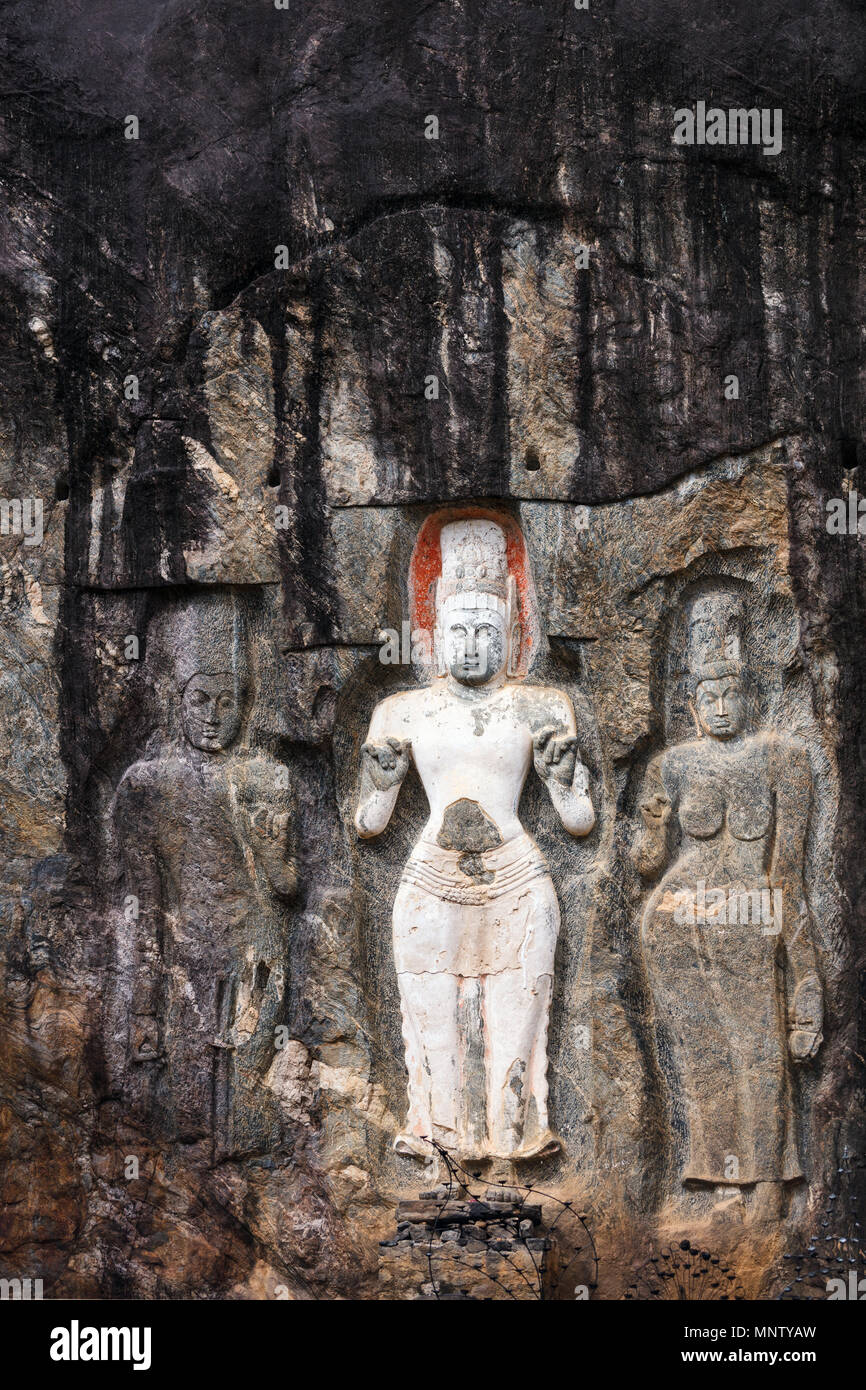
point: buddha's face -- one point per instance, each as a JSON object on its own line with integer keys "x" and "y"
{"x": 211, "y": 711}
{"x": 721, "y": 707}
{"x": 475, "y": 645}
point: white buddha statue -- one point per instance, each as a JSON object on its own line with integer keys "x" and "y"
{"x": 476, "y": 916}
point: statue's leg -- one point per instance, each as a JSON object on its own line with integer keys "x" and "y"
{"x": 517, "y": 1004}
{"x": 516, "y": 1012}
{"x": 430, "y": 1034}
{"x": 255, "y": 1109}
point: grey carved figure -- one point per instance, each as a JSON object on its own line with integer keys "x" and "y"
{"x": 726, "y": 933}
{"x": 204, "y": 830}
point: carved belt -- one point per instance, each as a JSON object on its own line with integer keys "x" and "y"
{"x": 474, "y": 879}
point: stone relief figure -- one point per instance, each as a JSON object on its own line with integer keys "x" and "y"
{"x": 204, "y": 831}
{"x": 726, "y": 934}
{"x": 476, "y": 917}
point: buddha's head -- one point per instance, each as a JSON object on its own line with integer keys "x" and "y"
{"x": 720, "y": 706}
{"x": 477, "y": 628}
{"x": 475, "y": 645}
{"x": 211, "y": 675}
{"x": 211, "y": 711}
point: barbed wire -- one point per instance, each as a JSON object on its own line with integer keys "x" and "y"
{"x": 839, "y": 1251}
{"x": 687, "y": 1273}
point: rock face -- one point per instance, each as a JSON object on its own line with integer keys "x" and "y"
{"x": 285, "y": 293}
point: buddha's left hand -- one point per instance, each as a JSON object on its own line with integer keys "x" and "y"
{"x": 555, "y": 756}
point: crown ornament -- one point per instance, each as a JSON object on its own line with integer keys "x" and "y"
{"x": 474, "y": 566}
{"x": 714, "y": 627}
{"x": 207, "y": 639}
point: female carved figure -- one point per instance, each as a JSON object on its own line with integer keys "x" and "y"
{"x": 204, "y": 833}
{"x": 726, "y": 932}
{"x": 476, "y": 917}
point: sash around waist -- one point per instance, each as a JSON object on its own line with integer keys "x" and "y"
{"x": 475, "y": 878}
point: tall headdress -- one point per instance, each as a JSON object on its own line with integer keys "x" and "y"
{"x": 475, "y": 576}
{"x": 714, "y": 634}
{"x": 207, "y": 638}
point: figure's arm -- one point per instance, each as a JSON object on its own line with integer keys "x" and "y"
{"x": 271, "y": 822}
{"x": 650, "y": 850}
{"x": 558, "y": 764}
{"x": 272, "y": 826}
{"x": 793, "y": 787}
{"x": 143, "y": 910}
{"x": 384, "y": 764}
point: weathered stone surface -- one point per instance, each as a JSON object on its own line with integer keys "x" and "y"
{"x": 199, "y": 1090}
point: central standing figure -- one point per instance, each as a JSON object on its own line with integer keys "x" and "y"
{"x": 476, "y": 916}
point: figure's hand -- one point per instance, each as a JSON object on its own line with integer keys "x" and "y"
{"x": 655, "y": 812}
{"x": 145, "y": 1038}
{"x": 804, "y": 1043}
{"x": 272, "y": 824}
{"x": 387, "y": 763}
{"x": 555, "y": 757}
{"x": 807, "y": 1019}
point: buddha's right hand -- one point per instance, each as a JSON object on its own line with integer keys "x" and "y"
{"x": 387, "y": 763}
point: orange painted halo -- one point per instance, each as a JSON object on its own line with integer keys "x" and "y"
{"x": 425, "y": 568}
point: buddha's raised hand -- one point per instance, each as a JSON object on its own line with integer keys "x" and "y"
{"x": 386, "y": 763}
{"x": 555, "y": 755}
{"x": 655, "y": 811}
{"x": 271, "y": 823}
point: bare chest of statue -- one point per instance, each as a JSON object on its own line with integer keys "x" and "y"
{"x": 472, "y": 750}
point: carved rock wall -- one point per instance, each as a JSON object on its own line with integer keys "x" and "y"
{"x": 271, "y": 472}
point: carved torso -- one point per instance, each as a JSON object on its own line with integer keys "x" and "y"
{"x": 727, "y": 914}
{"x": 722, "y": 794}
{"x": 477, "y": 749}
{"x": 190, "y": 818}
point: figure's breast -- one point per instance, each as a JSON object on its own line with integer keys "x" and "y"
{"x": 749, "y": 794}
{"x": 702, "y": 810}
{"x": 735, "y": 795}
{"x": 750, "y": 819}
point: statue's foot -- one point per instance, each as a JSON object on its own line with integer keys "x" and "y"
{"x": 503, "y": 1193}
{"x": 727, "y": 1201}
{"x": 410, "y": 1146}
{"x": 544, "y": 1146}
